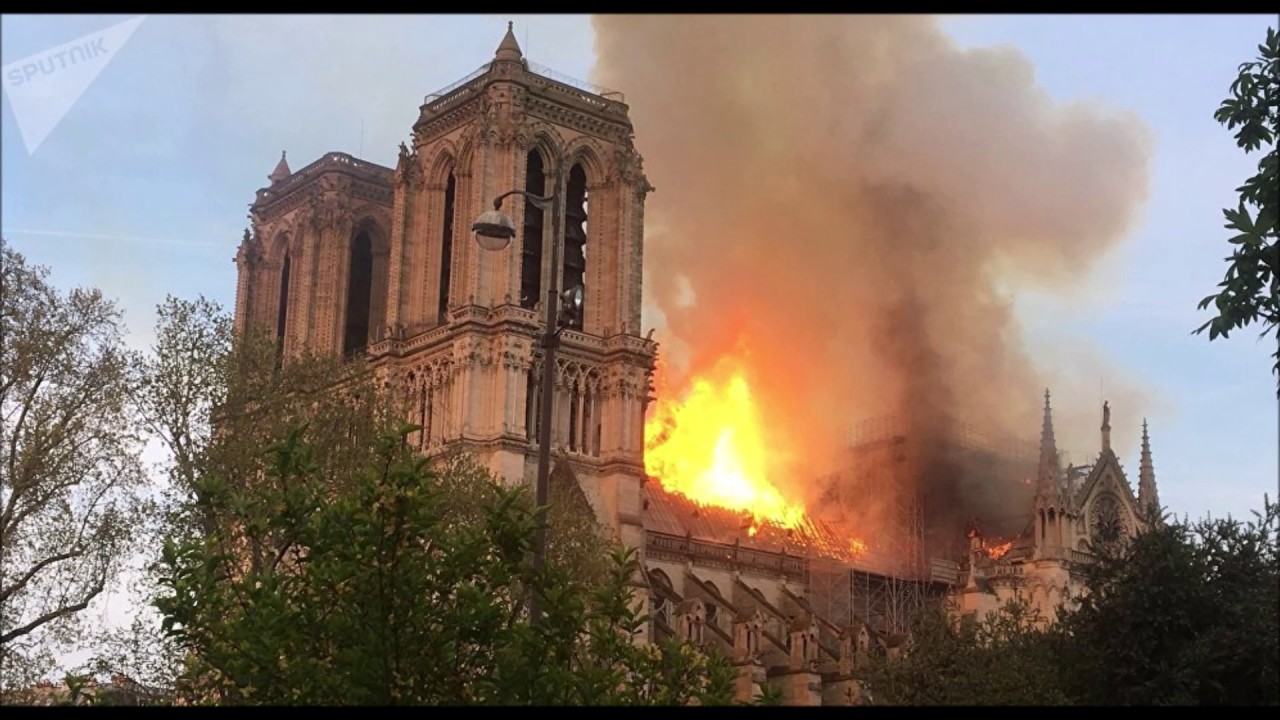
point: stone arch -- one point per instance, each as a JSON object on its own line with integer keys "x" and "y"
{"x": 465, "y": 151}
{"x": 710, "y": 607}
{"x": 599, "y": 260}
{"x": 365, "y": 297}
{"x": 442, "y": 177}
{"x": 282, "y": 278}
{"x": 586, "y": 151}
{"x": 441, "y": 162}
{"x": 280, "y": 246}
{"x": 536, "y": 171}
{"x": 548, "y": 141}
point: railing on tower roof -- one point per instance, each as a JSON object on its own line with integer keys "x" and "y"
{"x": 447, "y": 89}
{"x": 583, "y": 85}
{"x": 583, "y": 90}
{"x": 328, "y": 161}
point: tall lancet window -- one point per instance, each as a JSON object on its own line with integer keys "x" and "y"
{"x": 359, "y": 295}
{"x": 575, "y": 235}
{"x": 535, "y": 181}
{"x": 446, "y": 249}
{"x": 282, "y": 313}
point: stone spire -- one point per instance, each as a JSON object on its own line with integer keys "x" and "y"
{"x": 1048, "y": 475}
{"x": 1148, "y": 498}
{"x": 509, "y": 49}
{"x": 282, "y": 170}
{"x": 1106, "y": 426}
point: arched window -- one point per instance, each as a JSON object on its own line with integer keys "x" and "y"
{"x": 446, "y": 249}
{"x": 425, "y": 401}
{"x": 535, "y": 181}
{"x": 575, "y": 400}
{"x": 359, "y": 294}
{"x": 531, "y": 412}
{"x": 575, "y": 235}
{"x": 588, "y": 418}
{"x": 282, "y": 313}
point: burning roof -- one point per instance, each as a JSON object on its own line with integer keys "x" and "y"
{"x": 676, "y": 515}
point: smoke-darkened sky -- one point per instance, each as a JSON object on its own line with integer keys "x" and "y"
{"x": 857, "y": 200}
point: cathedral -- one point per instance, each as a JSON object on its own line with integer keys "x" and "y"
{"x": 350, "y": 258}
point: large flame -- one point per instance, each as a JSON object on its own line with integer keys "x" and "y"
{"x": 995, "y": 552}
{"x": 710, "y": 445}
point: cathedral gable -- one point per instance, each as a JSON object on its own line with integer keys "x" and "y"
{"x": 1107, "y": 501}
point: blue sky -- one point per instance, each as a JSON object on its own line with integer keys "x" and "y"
{"x": 143, "y": 187}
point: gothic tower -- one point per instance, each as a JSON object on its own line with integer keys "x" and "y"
{"x": 349, "y": 257}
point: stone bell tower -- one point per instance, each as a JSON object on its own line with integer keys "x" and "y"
{"x": 366, "y": 259}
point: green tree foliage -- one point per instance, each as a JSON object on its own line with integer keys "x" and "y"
{"x": 1185, "y": 614}
{"x": 70, "y": 475}
{"x": 407, "y": 586}
{"x": 197, "y": 378}
{"x": 1007, "y": 658}
{"x": 1248, "y": 292}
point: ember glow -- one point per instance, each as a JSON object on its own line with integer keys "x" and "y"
{"x": 710, "y": 446}
{"x": 995, "y": 552}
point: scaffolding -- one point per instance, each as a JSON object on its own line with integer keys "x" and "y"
{"x": 879, "y": 486}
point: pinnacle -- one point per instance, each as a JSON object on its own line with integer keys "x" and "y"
{"x": 509, "y": 49}
{"x": 282, "y": 170}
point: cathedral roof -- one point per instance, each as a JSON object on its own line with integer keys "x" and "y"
{"x": 673, "y": 514}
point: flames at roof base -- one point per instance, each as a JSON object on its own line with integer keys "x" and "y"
{"x": 710, "y": 454}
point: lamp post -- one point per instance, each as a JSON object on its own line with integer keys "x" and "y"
{"x": 494, "y": 231}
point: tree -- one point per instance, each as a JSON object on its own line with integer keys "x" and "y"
{"x": 396, "y": 591}
{"x": 70, "y": 472}
{"x": 1006, "y": 658}
{"x": 215, "y": 403}
{"x": 1183, "y": 614}
{"x": 197, "y": 377}
{"x": 1252, "y": 282}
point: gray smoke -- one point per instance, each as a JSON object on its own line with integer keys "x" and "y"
{"x": 854, "y": 198}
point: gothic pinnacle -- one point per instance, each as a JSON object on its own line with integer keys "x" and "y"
{"x": 509, "y": 49}
{"x": 1148, "y": 497}
{"x": 282, "y": 170}
{"x": 1049, "y": 471}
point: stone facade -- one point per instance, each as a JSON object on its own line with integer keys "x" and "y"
{"x": 1043, "y": 564}
{"x": 348, "y": 257}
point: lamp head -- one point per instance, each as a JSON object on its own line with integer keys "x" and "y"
{"x": 571, "y": 300}
{"x": 494, "y": 230}
{"x": 570, "y": 306}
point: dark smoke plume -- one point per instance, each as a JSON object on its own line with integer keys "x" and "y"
{"x": 855, "y": 199}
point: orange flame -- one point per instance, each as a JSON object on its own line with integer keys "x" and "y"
{"x": 711, "y": 447}
{"x": 996, "y": 552}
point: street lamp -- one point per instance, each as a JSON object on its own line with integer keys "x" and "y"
{"x": 494, "y": 231}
